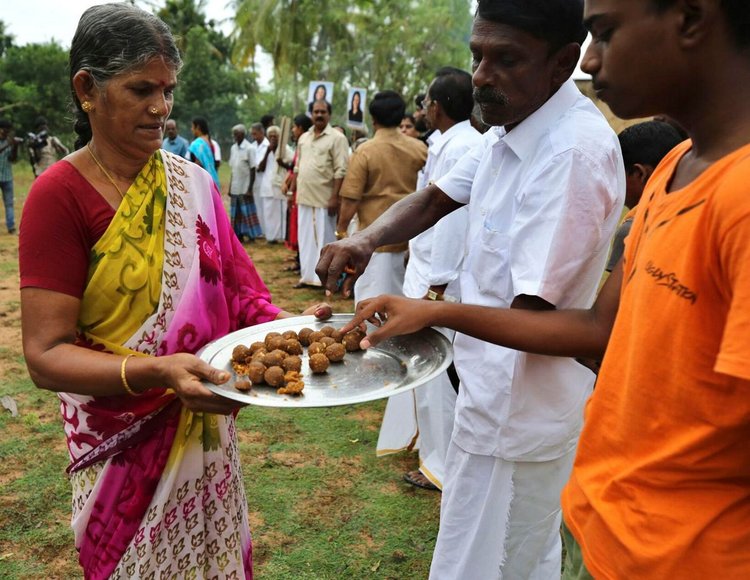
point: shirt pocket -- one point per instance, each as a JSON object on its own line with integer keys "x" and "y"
{"x": 492, "y": 263}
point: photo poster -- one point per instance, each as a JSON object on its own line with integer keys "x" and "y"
{"x": 356, "y": 105}
{"x": 318, "y": 90}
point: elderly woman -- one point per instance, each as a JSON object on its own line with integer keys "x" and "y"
{"x": 128, "y": 265}
{"x": 272, "y": 170}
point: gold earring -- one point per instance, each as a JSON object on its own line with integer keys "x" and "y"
{"x": 87, "y": 107}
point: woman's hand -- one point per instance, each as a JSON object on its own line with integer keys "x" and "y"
{"x": 321, "y": 311}
{"x": 183, "y": 373}
{"x": 393, "y": 316}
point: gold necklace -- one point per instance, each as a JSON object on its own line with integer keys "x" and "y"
{"x": 104, "y": 171}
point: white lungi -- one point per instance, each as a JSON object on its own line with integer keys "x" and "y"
{"x": 487, "y": 532}
{"x": 274, "y": 218}
{"x": 384, "y": 275}
{"x": 315, "y": 229}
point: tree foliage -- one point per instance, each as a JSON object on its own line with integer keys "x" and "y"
{"x": 34, "y": 82}
{"x": 375, "y": 44}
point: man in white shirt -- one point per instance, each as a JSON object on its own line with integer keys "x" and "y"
{"x": 259, "y": 145}
{"x": 425, "y": 415}
{"x": 217, "y": 153}
{"x": 545, "y": 191}
{"x": 242, "y": 211}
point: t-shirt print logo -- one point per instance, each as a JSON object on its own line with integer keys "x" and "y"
{"x": 670, "y": 281}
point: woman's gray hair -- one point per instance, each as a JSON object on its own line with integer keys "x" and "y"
{"x": 112, "y": 39}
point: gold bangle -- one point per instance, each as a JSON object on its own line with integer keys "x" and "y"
{"x": 341, "y": 235}
{"x": 128, "y": 389}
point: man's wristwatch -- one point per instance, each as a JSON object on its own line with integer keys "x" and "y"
{"x": 432, "y": 295}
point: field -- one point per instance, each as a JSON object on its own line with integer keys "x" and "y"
{"x": 322, "y": 506}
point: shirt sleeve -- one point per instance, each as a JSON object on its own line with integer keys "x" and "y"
{"x": 340, "y": 155}
{"x": 457, "y": 183}
{"x": 734, "y": 258}
{"x": 356, "y": 177}
{"x": 559, "y": 224}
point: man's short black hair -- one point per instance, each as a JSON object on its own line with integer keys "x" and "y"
{"x": 327, "y": 104}
{"x": 303, "y": 121}
{"x": 736, "y": 12}
{"x": 558, "y": 22}
{"x": 647, "y": 143}
{"x": 418, "y": 101}
{"x": 267, "y": 120}
{"x": 452, "y": 88}
{"x": 387, "y": 108}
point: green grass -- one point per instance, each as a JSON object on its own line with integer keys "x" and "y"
{"x": 322, "y": 506}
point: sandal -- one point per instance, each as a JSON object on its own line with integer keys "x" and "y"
{"x": 417, "y": 479}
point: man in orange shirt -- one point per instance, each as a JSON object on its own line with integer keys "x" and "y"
{"x": 661, "y": 482}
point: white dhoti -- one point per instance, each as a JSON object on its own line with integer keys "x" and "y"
{"x": 423, "y": 418}
{"x": 259, "y": 211}
{"x": 489, "y": 532}
{"x": 315, "y": 229}
{"x": 274, "y": 218}
{"x": 383, "y": 275}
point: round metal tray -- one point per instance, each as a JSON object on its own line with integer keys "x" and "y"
{"x": 394, "y": 366}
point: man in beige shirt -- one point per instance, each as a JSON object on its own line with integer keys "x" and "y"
{"x": 322, "y": 157}
{"x": 381, "y": 172}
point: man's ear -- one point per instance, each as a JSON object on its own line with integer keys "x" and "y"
{"x": 696, "y": 18}
{"x": 642, "y": 171}
{"x": 565, "y": 61}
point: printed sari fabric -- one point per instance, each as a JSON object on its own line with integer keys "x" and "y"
{"x": 244, "y": 217}
{"x": 157, "y": 489}
{"x": 203, "y": 152}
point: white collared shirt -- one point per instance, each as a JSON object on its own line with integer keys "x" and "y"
{"x": 544, "y": 201}
{"x": 259, "y": 151}
{"x": 435, "y": 255}
{"x": 241, "y": 160}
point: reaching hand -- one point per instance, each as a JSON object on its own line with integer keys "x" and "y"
{"x": 322, "y": 311}
{"x": 349, "y": 256}
{"x": 393, "y": 316}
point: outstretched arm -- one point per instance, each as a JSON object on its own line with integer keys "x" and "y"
{"x": 401, "y": 222}
{"x": 569, "y": 333}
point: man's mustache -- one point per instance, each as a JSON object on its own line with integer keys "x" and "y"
{"x": 489, "y": 95}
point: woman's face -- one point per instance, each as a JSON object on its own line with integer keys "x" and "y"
{"x": 131, "y": 109}
{"x": 320, "y": 93}
{"x": 407, "y": 127}
{"x": 355, "y": 101}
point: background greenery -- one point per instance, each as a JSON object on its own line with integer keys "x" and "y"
{"x": 374, "y": 44}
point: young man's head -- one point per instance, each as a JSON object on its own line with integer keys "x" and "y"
{"x": 523, "y": 51}
{"x": 387, "y": 109}
{"x": 646, "y": 55}
{"x": 449, "y": 95}
{"x": 643, "y": 146}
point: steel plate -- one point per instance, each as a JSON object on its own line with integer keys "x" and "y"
{"x": 396, "y": 365}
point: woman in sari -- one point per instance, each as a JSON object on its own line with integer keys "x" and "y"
{"x": 201, "y": 150}
{"x": 128, "y": 267}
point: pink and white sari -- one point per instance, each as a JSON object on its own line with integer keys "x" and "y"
{"x": 157, "y": 489}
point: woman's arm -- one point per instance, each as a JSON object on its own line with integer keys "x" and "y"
{"x": 56, "y": 363}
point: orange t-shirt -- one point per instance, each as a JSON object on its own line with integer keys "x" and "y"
{"x": 661, "y": 483}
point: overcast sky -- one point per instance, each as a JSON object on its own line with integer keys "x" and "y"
{"x": 45, "y": 20}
